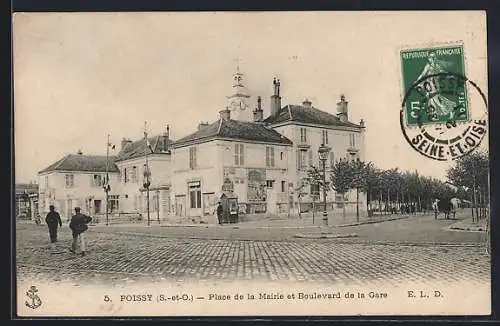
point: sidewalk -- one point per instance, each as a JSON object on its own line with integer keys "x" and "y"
{"x": 284, "y": 222}
{"x": 468, "y": 225}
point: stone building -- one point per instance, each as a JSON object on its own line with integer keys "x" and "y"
{"x": 262, "y": 160}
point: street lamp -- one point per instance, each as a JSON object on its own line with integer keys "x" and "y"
{"x": 146, "y": 184}
{"x": 323, "y": 155}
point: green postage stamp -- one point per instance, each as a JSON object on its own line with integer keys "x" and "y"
{"x": 443, "y": 114}
{"x": 434, "y": 85}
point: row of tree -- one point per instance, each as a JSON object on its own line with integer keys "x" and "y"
{"x": 394, "y": 190}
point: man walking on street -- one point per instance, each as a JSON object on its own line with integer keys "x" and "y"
{"x": 78, "y": 226}
{"x": 53, "y": 219}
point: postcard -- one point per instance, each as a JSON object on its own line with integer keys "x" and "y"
{"x": 251, "y": 164}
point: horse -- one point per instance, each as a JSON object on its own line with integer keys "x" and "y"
{"x": 446, "y": 206}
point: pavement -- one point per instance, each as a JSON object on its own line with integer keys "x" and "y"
{"x": 470, "y": 226}
{"x": 417, "y": 248}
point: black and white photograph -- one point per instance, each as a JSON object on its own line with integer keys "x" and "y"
{"x": 251, "y": 163}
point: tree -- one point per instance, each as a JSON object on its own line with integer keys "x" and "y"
{"x": 341, "y": 179}
{"x": 470, "y": 172}
{"x": 315, "y": 180}
{"x": 358, "y": 172}
{"x": 371, "y": 176}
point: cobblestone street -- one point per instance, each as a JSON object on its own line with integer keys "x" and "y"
{"x": 119, "y": 257}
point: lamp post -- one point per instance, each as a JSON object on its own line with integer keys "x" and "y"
{"x": 323, "y": 155}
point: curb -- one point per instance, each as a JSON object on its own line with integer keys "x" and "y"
{"x": 325, "y": 236}
{"x": 372, "y": 222}
{"x": 466, "y": 228}
{"x": 243, "y": 226}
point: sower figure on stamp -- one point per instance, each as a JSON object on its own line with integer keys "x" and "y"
{"x": 53, "y": 220}
{"x": 78, "y": 226}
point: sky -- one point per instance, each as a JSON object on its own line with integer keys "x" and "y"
{"x": 81, "y": 76}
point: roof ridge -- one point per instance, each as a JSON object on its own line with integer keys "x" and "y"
{"x": 61, "y": 161}
{"x": 220, "y": 126}
{"x": 156, "y": 143}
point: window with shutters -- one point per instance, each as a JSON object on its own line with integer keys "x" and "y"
{"x": 239, "y": 154}
{"x": 352, "y": 140}
{"x": 70, "y": 180}
{"x": 195, "y": 195}
{"x": 269, "y": 156}
{"x": 310, "y": 158}
{"x": 301, "y": 159}
{"x": 97, "y": 180}
{"x": 125, "y": 175}
{"x": 303, "y": 135}
{"x": 332, "y": 159}
{"x": 192, "y": 158}
{"x": 324, "y": 138}
{"x": 114, "y": 203}
{"x": 133, "y": 175}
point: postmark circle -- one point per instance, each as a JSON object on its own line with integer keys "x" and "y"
{"x": 436, "y": 117}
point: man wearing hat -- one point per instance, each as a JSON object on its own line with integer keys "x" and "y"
{"x": 53, "y": 219}
{"x": 220, "y": 211}
{"x": 78, "y": 226}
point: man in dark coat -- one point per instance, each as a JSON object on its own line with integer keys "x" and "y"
{"x": 53, "y": 220}
{"x": 219, "y": 212}
{"x": 78, "y": 226}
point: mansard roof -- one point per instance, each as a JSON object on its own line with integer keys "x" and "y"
{"x": 312, "y": 115}
{"x": 82, "y": 163}
{"x": 234, "y": 129}
{"x": 160, "y": 145}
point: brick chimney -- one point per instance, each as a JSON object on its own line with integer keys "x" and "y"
{"x": 258, "y": 113}
{"x": 164, "y": 140}
{"x": 125, "y": 142}
{"x": 276, "y": 98}
{"x": 202, "y": 125}
{"x": 307, "y": 103}
{"x": 342, "y": 110}
{"x": 225, "y": 114}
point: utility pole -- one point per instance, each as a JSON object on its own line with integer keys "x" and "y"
{"x": 106, "y": 181}
{"x": 147, "y": 181}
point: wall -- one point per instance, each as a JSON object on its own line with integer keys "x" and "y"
{"x": 56, "y": 193}
{"x": 215, "y": 161}
{"x": 339, "y": 143}
{"x": 132, "y": 200}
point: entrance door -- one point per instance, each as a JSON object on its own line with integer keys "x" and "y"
{"x": 97, "y": 206}
{"x": 180, "y": 205}
{"x": 194, "y": 193}
{"x": 165, "y": 203}
{"x": 208, "y": 203}
{"x": 69, "y": 209}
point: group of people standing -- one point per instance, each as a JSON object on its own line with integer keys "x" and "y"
{"x": 78, "y": 225}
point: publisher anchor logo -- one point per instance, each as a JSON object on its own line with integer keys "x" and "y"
{"x": 34, "y": 300}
